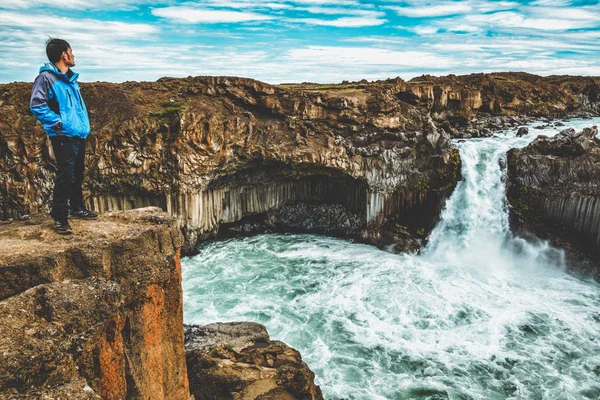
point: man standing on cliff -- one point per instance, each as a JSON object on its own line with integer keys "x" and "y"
{"x": 57, "y": 103}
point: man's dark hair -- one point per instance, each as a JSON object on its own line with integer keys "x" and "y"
{"x": 55, "y": 48}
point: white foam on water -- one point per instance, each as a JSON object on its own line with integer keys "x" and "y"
{"x": 480, "y": 314}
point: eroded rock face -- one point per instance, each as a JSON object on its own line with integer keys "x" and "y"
{"x": 554, "y": 192}
{"x": 237, "y": 360}
{"x": 567, "y": 143}
{"x": 213, "y": 151}
{"x": 508, "y": 94}
{"x": 217, "y": 151}
{"x": 97, "y": 314}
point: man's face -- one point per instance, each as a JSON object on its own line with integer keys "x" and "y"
{"x": 68, "y": 58}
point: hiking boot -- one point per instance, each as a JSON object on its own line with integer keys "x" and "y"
{"x": 83, "y": 214}
{"x": 62, "y": 226}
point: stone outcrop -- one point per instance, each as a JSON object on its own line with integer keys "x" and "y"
{"x": 228, "y": 152}
{"x": 512, "y": 94}
{"x": 92, "y": 315}
{"x": 554, "y": 193}
{"x": 98, "y": 314}
{"x": 476, "y": 105}
{"x": 239, "y": 361}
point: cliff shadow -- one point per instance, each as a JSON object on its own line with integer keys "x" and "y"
{"x": 274, "y": 196}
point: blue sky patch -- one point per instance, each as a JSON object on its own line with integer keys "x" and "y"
{"x": 301, "y": 40}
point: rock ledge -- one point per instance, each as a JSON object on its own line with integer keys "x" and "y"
{"x": 97, "y": 314}
{"x": 554, "y": 193}
{"x": 238, "y": 360}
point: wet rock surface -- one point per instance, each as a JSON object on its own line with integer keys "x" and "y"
{"x": 567, "y": 143}
{"x": 97, "y": 314}
{"x": 522, "y": 131}
{"x": 326, "y": 219}
{"x": 554, "y": 193}
{"x": 238, "y": 360}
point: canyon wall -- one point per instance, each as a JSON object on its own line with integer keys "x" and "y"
{"x": 232, "y": 155}
{"x": 213, "y": 151}
{"x": 459, "y": 98}
{"x": 554, "y": 193}
{"x": 93, "y": 315}
{"x": 477, "y": 104}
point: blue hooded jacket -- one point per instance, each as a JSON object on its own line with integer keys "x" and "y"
{"x": 57, "y": 103}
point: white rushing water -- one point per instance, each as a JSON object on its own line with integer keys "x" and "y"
{"x": 479, "y": 315}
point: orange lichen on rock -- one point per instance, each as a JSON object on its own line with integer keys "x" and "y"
{"x": 154, "y": 330}
{"x": 111, "y": 383}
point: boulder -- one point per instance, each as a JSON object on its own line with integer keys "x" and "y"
{"x": 522, "y": 131}
{"x": 238, "y": 360}
{"x": 566, "y": 143}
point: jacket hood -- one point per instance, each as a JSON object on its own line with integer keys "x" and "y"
{"x": 52, "y": 68}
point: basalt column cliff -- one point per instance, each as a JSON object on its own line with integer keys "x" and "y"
{"x": 244, "y": 156}
{"x": 554, "y": 192}
{"x": 233, "y": 156}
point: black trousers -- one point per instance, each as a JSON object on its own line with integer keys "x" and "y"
{"x": 70, "y": 160}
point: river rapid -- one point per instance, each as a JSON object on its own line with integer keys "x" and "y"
{"x": 479, "y": 314}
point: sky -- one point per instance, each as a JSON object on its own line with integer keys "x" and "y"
{"x": 281, "y": 41}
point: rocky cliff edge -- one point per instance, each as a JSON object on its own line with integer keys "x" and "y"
{"x": 226, "y": 155}
{"x": 93, "y": 315}
{"x": 554, "y": 193}
{"x": 98, "y": 315}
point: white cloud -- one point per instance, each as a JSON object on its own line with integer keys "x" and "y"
{"x": 433, "y": 11}
{"x": 352, "y": 17}
{"x": 243, "y": 4}
{"x": 196, "y": 15}
{"x": 345, "y": 11}
{"x": 551, "y": 3}
{"x": 508, "y": 47}
{"x": 425, "y": 30}
{"x": 275, "y": 3}
{"x": 74, "y": 4}
{"x": 276, "y": 6}
{"x": 487, "y": 6}
{"x": 540, "y": 65}
{"x": 458, "y": 47}
{"x": 570, "y": 13}
{"x": 464, "y": 28}
{"x": 582, "y": 35}
{"x": 377, "y": 39}
{"x": 344, "y": 22}
{"x": 516, "y": 20}
{"x": 55, "y": 26}
{"x": 325, "y": 2}
{"x": 347, "y": 56}
{"x": 122, "y": 5}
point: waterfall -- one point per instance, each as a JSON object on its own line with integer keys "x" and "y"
{"x": 474, "y": 226}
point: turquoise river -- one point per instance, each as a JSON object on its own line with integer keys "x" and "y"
{"x": 479, "y": 314}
